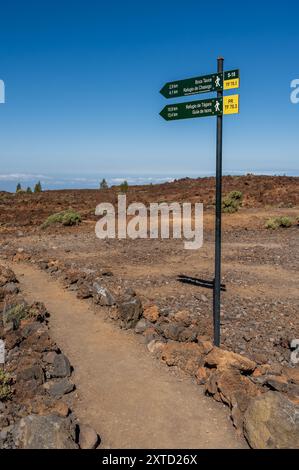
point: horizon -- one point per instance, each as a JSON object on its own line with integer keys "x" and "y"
{"x": 61, "y": 182}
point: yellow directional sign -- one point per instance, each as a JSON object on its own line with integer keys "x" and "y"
{"x": 231, "y": 104}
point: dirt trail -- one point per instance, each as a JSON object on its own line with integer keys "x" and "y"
{"x": 128, "y": 397}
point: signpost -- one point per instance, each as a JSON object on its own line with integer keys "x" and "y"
{"x": 219, "y": 106}
{"x": 218, "y": 203}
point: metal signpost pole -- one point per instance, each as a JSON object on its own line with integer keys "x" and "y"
{"x": 203, "y": 108}
{"x": 217, "y": 278}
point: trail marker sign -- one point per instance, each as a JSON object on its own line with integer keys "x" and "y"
{"x": 204, "y": 84}
{"x": 219, "y": 106}
{"x": 201, "y": 108}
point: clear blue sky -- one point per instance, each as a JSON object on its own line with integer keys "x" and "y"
{"x": 83, "y": 78}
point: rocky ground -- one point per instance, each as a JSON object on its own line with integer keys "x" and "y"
{"x": 259, "y": 311}
{"x": 137, "y": 282}
{"x": 36, "y": 390}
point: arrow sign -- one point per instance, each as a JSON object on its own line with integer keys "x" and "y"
{"x": 201, "y": 108}
{"x": 203, "y": 84}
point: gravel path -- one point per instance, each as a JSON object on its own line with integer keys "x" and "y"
{"x": 127, "y": 396}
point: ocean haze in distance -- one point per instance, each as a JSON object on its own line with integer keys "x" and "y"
{"x": 8, "y": 182}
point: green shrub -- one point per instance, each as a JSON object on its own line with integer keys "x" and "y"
{"x": 103, "y": 184}
{"x": 18, "y": 188}
{"x": 272, "y": 223}
{"x": 38, "y": 187}
{"x": 275, "y": 222}
{"x": 68, "y": 217}
{"x": 29, "y": 190}
{"x": 5, "y": 385}
{"x": 15, "y": 314}
{"x": 124, "y": 186}
{"x": 232, "y": 201}
{"x": 285, "y": 222}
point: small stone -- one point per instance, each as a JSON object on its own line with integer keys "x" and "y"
{"x": 49, "y": 357}
{"x": 11, "y": 288}
{"x": 84, "y": 291}
{"x": 129, "y": 310}
{"x": 278, "y": 383}
{"x": 188, "y": 334}
{"x": 61, "y": 409}
{"x": 201, "y": 375}
{"x": 261, "y": 370}
{"x": 61, "y": 366}
{"x": 155, "y": 346}
{"x": 32, "y": 373}
{"x": 292, "y": 374}
{"x": 102, "y": 295}
{"x": 205, "y": 346}
{"x": 183, "y": 316}
{"x": 60, "y": 388}
{"x": 149, "y": 334}
{"x": 171, "y": 330}
{"x": 88, "y": 438}
{"x": 260, "y": 358}
{"x": 275, "y": 369}
{"x": 151, "y": 313}
{"x": 141, "y": 326}
{"x": 222, "y": 359}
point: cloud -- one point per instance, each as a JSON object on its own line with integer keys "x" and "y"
{"x": 21, "y": 177}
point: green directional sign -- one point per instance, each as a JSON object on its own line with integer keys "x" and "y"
{"x": 203, "y": 84}
{"x": 192, "y": 109}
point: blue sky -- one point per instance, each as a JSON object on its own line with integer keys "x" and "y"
{"x": 83, "y": 79}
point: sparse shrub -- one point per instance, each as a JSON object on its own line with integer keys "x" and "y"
{"x": 103, "y": 184}
{"x": 237, "y": 195}
{"x": 232, "y": 201}
{"x": 124, "y": 186}
{"x": 5, "y": 385}
{"x": 271, "y": 223}
{"x": 285, "y": 222}
{"x": 29, "y": 190}
{"x": 15, "y": 314}
{"x": 276, "y": 222}
{"x": 38, "y": 187}
{"x": 68, "y": 217}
